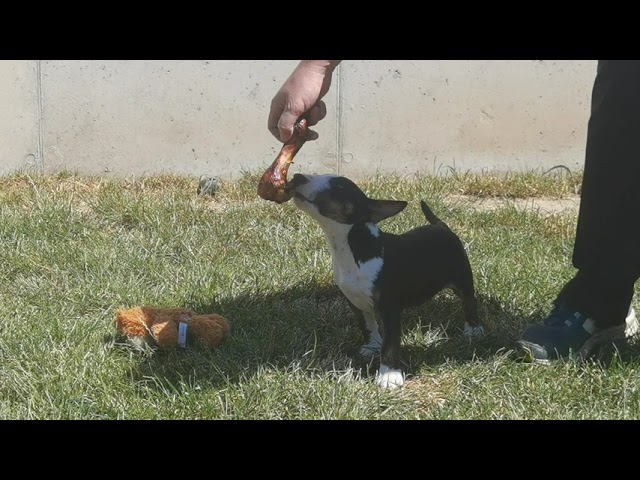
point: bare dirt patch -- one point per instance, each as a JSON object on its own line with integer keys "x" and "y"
{"x": 542, "y": 205}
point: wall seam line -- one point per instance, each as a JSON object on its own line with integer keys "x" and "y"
{"x": 40, "y": 114}
{"x": 339, "y": 119}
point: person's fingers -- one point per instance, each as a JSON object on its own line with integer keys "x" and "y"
{"x": 285, "y": 124}
{"x": 312, "y": 135}
{"x": 275, "y": 112}
{"x": 281, "y": 120}
{"x": 274, "y": 131}
{"x": 283, "y": 137}
{"x": 317, "y": 113}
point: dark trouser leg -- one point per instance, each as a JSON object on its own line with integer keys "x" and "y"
{"x": 607, "y": 245}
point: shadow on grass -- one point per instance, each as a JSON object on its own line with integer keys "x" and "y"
{"x": 310, "y": 327}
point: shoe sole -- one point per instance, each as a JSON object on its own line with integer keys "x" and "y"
{"x": 534, "y": 352}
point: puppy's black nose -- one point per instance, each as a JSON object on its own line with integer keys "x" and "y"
{"x": 297, "y": 180}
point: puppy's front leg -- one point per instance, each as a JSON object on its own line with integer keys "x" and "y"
{"x": 372, "y": 338}
{"x": 390, "y": 375}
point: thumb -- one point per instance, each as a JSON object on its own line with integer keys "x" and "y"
{"x": 285, "y": 124}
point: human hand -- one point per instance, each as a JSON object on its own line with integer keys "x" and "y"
{"x": 301, "y": 93}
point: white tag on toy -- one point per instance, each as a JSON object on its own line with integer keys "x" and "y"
{"x": 182, "y": 330}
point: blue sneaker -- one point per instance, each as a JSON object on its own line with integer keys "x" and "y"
{"x": 564, "y": 331}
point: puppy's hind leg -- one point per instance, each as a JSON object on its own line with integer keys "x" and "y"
{"x": 472, "y": 325}
{"x": 465, "y": 291}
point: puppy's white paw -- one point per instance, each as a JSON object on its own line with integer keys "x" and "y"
{"x": 390, "y": 378}
{"x": 471, "y": 331}
{"x": 370, "y": 350}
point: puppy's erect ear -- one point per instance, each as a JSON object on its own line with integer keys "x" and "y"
{"x": 381, "y": 209}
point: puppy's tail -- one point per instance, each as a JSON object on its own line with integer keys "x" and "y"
{"x": 429, "y": 215}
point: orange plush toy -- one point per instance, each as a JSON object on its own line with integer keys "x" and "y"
{"x": 170, "y": 327}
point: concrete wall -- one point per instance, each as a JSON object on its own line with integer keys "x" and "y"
{"x": 209, "y": 117}
{"x": 19, "y": 115}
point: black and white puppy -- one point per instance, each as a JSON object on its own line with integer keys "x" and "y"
{"x": 382, "y": 273}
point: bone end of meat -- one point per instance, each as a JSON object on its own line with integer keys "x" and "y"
{"x": 273, "y": 184}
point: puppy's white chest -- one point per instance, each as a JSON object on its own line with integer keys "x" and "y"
{"x": 355, "y": 279}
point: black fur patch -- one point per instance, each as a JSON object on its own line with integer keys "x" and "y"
{"x": 330, "y": 208}
{"x": 363, "y": 244}
{"x": 343, "y": 202}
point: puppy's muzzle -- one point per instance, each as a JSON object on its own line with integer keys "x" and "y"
{"x": 294, "y": 184}
{"x": 297, "y": 180}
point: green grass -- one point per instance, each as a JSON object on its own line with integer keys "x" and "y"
{"x": 74, "y": 249}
